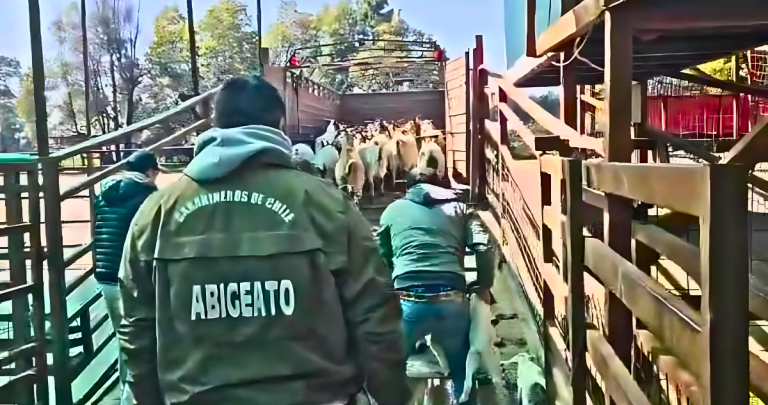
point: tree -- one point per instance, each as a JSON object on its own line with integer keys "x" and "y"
{"x": 229, "y": 45}
{"x": 25, "y": 107}
{"x": 10, "y": 69}
{"x": 168, "y": 57}
{"x": 11, "y": 127}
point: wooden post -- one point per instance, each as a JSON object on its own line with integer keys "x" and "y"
{"x": 479, "y": 114}
{"x": 643, "y": 116}
{"x": 86, "y": 67}
{"x": 57, "y": 284}
{"x": 530, "y": 29}
{"x": 468, "y": 119}
{"x": 18, "y": 269}
{"x": 573, "y": 247}
{"x": 258, "y": 25}
{"x": 569, "y": 94}
{"x": 725, "y": 286}
{"x": 735, "y": 77}
{"x": 618, "y": 148}
{"x": 38, "y": 297}
{"x": 193, "y": 48}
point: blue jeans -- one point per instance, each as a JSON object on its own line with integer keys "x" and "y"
{"x": 111, "y": 293}
{"x": 448, "y": 322}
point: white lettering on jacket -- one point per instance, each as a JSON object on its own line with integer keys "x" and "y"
{"x": 246, "y": 299}
{"x": 237, "y": 196}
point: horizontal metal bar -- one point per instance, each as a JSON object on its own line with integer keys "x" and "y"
{"x": 26, "y": 350}
{"x": 10, "y": 388}
{"x": 79, "y": 253}
{"x": 19, "y": 291}
{"x": 685, "y": 255}
{"x": 85, "y": 307}
{"x": 72, "y": 286}
{"x": 670, "y": 319}
{"x": 97, "y": 177}
{"x": 618, "y": 382}
{"x": 681, "y": 188}
{"x": 113, "y": 137}
{"x": 16, "y": 229}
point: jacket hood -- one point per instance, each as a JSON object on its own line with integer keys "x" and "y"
{"x": 123, "y": 186}
{"x": 220, "y": 151}
{"x": 429, "y": 195}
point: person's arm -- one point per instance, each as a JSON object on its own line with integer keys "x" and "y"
{"x": 372, "y": 315}
{"x": 479, "y": 242}
{"x": 137, "y": 332}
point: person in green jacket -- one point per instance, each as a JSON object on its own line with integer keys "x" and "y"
{"x": 120, "y": 198}
{"x": 250, "y": 282}
{"x": 423, "y": 238}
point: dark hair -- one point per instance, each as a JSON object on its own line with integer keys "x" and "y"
{"x": 248, "y": 101}
{"x": 141, "y": 161}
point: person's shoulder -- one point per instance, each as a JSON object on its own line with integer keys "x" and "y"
{"x": 321, "y": 190}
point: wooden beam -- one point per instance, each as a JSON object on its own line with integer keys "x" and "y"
{"x": 618, "y": 86}
{"x": 530, "y": 28}
{"x": 677, "y": 187}
{"x": 752, "y": 148}
{"x": 570, "y": 26}
{"x": 679, "y": 251}
{"x": 619, "y": 383}
{"x": 725, "y": 286}
{"x": 670, "y": 319}
{"x": 573, "y": 248}
{"x": 709, "y": 81}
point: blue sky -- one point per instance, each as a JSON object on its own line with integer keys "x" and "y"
{"x": 454, "y": 23}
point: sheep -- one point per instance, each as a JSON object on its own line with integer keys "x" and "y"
{"x": 302, "y": 152}
{"x": 370, "y": 154}
{"x": 325, "y": 161}
{"x": 328, "y": 137}
{"x": 431, "y": 156}
{"x": 350, "y": 172}
{"x": 530, "y": 380}
{"x": 407, "y": 152}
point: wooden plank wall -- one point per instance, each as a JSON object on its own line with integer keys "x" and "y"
{"x": 456, "y": 115}
{"x": 428, "y": 104}
{"x": 307, "y": 113}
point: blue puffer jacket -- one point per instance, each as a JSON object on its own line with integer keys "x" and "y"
{"x": 121, "y": 196}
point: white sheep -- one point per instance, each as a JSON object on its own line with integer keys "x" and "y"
{"x": 350, "y": 172}
{"x": 325, "y": 161}
{"x": 370, "y": 154}
{"x": 302, "y": 152}
{"x": 431, "y": 156}
{"x": 328, "y": 137}
{"x": 530, "y": 380}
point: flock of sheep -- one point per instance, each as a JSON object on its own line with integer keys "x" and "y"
{"x": 355, "y": 155}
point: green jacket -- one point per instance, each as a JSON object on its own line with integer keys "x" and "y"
{"x": 249, "y": 282}
{"x": 121, "y": 196}
{"x": 424, "y": 236}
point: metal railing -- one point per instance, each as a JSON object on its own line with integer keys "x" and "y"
{"x": 77, "y": 317}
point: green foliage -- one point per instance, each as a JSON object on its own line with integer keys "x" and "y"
{"x": 11, "y": 126}
{"x": 720, "y": 69}
{"x": 228, "y": 44}
{"x": 168, "y": 57}
{"x": 10, "y": 69}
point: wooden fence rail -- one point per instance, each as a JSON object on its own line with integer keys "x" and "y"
{"x": 703, "y": 345}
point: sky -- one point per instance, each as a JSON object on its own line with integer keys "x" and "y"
{"x": 454, "y": 23}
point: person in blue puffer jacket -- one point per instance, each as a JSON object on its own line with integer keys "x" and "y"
{"x": 120, "y": 198}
